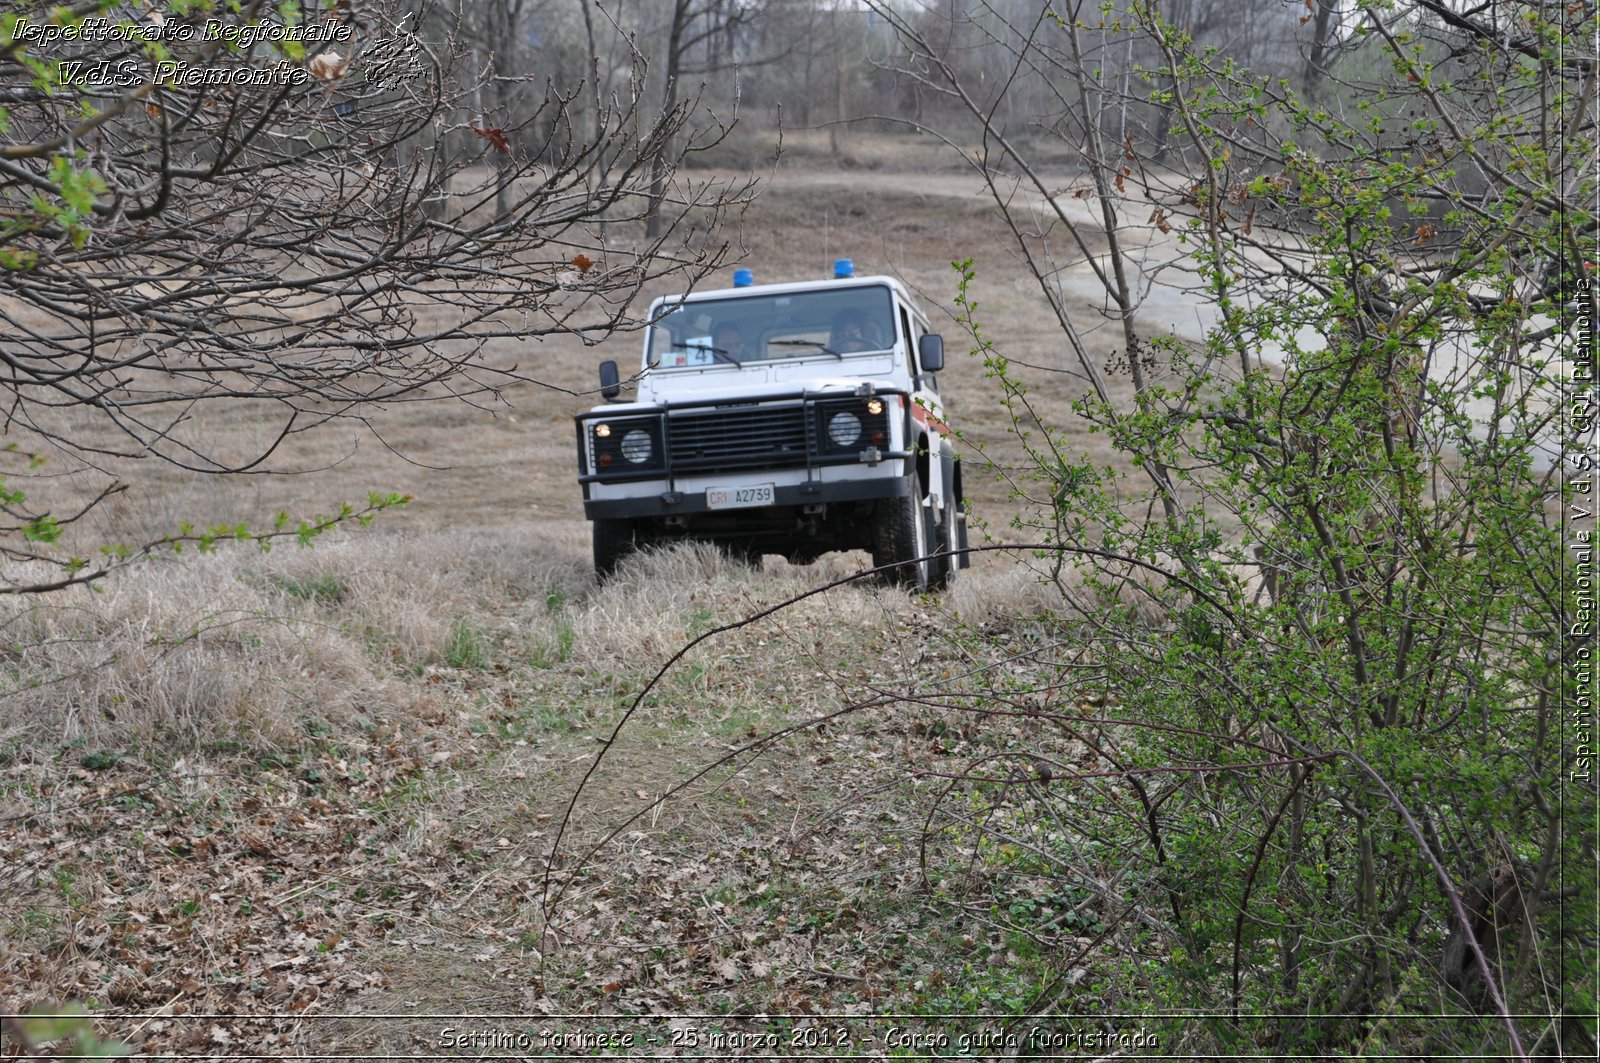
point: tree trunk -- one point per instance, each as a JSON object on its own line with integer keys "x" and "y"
{"x": 669, "y": 102}
{"x": 594, "y": 73}
{"x": 1319, "y": 46}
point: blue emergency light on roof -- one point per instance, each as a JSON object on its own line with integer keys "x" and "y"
{"x": 843, "y": 267}
{"x": 743, "y": 278}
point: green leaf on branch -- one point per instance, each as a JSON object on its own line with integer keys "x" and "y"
{"x": 45, "y": 529}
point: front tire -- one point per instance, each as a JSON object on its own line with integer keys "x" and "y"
{"x": 903, "y": 537}
{"x": 614, "y": 541}
{"x": 744, "y": 553}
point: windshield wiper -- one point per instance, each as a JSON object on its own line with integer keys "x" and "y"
{"x": 824, "y": 348}
{"x": 720, "y": 354}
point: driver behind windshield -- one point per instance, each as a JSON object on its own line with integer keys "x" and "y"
{"x": 728, "y": 340}
{"x": 850, "y": 333}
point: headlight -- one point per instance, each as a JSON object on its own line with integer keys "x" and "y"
{"x": 844, "y": 428}
{"x": 636, "y": 446}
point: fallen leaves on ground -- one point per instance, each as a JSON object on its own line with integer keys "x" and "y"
{"x": 403, "y": 869}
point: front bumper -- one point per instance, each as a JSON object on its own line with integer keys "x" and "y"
{"x": 670, "y": 503}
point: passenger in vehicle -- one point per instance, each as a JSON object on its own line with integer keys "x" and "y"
{"x": 728, "y": 340}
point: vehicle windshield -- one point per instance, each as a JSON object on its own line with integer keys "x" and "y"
{"x": 767, "y": 328}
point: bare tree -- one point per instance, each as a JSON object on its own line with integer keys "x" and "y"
{"x": 496, "y": 30}
{"x": 701, "y": 37}
{"x": 294, "y": 217}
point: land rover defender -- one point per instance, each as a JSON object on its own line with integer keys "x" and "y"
{"x": 788, "y": 419}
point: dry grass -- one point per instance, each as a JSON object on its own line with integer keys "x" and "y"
{"x": 195, "y": 651}
{"x": 407, "y": 717}
{"x": 239, "y": 646}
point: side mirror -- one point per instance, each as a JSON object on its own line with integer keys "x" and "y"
{"x": 930, "y": 352}
{"x": 610, "y": 381}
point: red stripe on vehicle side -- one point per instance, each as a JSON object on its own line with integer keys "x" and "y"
{"x": 918, "y": 413}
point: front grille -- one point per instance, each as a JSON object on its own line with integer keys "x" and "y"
{"x": 756, "y": 437}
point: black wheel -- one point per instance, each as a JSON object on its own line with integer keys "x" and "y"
{"x": 953, "y": 534}
{"x": 614, "y": 540}
{"x": 904, "y": 533}
{"x": 964, "y": 558}
{"x": 942, "y": 569}
{"x": 946, "y": 536}
{"x": 744, "y": 553}
{"x": 950, "y": 536}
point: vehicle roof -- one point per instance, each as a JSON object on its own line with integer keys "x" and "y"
{"x": 789, "y": 289}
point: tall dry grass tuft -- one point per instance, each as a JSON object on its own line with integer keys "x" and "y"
{"x": 663, "y": 597}
{"x": 997, "y": 593}
{"x": 656, "y": 599}
{"x": 248, "y": 649}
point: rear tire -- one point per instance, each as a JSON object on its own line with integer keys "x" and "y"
{"x": 614, "y": 541}
{"x": 904, "y": 534}
{"x": 943, "y": 568}
{"x": 952, "y": 536}
{"x": 964, "y": 558}
{"x": 944, "y": 535}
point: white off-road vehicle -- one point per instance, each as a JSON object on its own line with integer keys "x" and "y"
{"x": 787, "y": 419}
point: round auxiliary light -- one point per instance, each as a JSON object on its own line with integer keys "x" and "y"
{"x": 874, "y": 406}
{"x": 844, "y": 428}
{"x": 602, "y": 431}
{"x": 636, "y": 446}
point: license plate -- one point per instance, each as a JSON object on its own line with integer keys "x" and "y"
{"x": 739, "y": 497}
